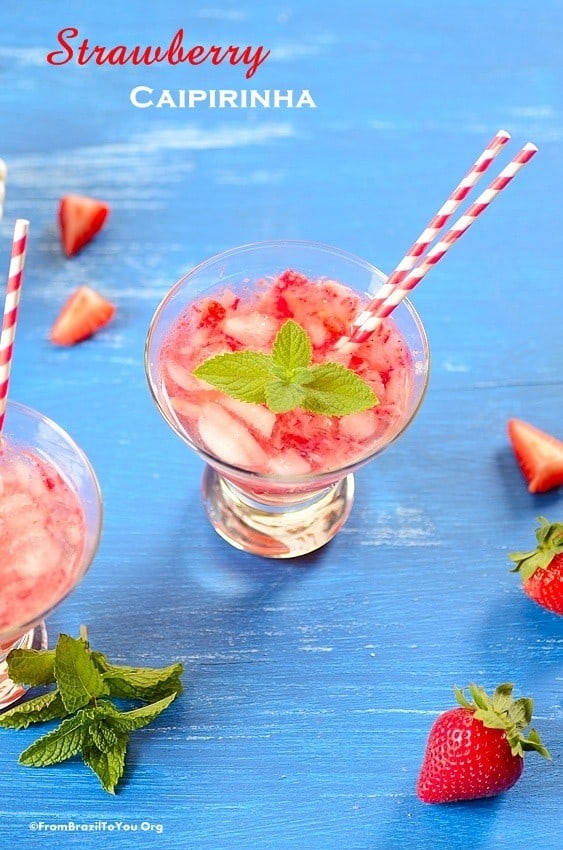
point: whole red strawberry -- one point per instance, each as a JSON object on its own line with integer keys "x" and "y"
{"x": 542, "y": 569}
{"x": 477, "y": 750}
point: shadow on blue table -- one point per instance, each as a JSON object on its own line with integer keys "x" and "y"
{"x": 231, "y": 575}
{"x": 203, "y": 594}
{"x": 516, "y": 494}
{"x": 443, "y": 826}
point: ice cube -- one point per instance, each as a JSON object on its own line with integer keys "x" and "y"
{"x": 253, "y": 330}
{"x": 228, "y": 439}
{"x": 316, "y": 330}
{"x": 375, "y": 381}
{"x": 196, "y": 339}
{"x": 289, "y": 462}
{"x": 229, "y": 299}
{"x": 358, "y": 426}
{"x": 183, "y": 376}
{"x": 74, "y": 533}
{"x": 15, "y": 504}
{"x": 184, "y": 407}
{"x": 257, "y": 416}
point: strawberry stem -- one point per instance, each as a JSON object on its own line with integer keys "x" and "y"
{"x": 501, "y": 711}
{"x": 550, "y": 543}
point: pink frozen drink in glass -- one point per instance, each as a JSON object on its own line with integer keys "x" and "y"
{"x": 280, "y": 484}
{"x": 50, "y": 523}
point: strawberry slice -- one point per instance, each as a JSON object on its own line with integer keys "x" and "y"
{"x": 83, "y": 313}
{"x": 539, "y": 455}
{"x": 80, "y": 218}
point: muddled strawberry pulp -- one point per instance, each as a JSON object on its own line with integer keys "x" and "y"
{"x": 42, "y": 537}
{"x": 296, "y": 443}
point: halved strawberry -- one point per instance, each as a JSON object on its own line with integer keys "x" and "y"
{"x": 80, "y": 218}
{"x": 539, "y": 455}
{"x": 83, "y": 313}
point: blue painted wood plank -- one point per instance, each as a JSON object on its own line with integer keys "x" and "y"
{"x": 310, "y": 686}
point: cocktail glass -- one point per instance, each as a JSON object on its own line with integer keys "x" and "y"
{"x": 30, "y": 432}
{"x": 279, "y": 516}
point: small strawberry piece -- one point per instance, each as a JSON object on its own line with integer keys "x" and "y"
{"x": 477, "y": 750}
{"x": 212, "y": 313}
{"x": 282, "y": 308}
{"x": 82, "y": 314}
{"x": 539, "y": 455}
{"x": 334, "y": 325}
{"x": 291, "y": 278}
{"x": 542, "y": 569}
{"x": 80, "y": 218}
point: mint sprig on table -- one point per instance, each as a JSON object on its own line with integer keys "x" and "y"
{"x": 287, "y": 379}
{"x": 91, "y": 723}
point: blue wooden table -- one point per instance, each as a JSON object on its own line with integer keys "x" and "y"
{"x": 310, "y": 685}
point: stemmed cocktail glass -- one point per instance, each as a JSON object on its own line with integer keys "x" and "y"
{"x": 295, "y": 509}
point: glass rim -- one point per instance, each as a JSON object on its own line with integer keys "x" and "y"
{"x": 243, "y": 473}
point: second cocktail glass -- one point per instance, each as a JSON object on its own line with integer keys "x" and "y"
{"x": 50, "y": 526}
{"x": 281, "y": 485}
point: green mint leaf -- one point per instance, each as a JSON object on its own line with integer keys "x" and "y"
{"x": 281, "y": 396}
{"x": 91, "y": 723}
{"x": 37, "y": 710}
{"x": 31, "y": 666}
{"x": 103, "y": 735}
{"x": 145, "y": 683}
{"x": 243, "y": 375}
{"x": 292, "y": 348}
{"x": 277, "y": 379}
{"x": 128, "y": 721}
{"x": 333, "y": 390}
{"x": 78, "y": 678}
{"x": 108, "y": 765}
{"x": 59, "y": 745}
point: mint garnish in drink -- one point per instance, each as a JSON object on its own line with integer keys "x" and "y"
{"x": 286, "y": 378}
{"x": 91, "y": 724}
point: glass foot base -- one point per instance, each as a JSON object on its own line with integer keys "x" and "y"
{"x": 33, "y": 639}
{"x": 276, "y": 530}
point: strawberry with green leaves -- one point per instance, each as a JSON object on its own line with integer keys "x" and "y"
{"x": 541, "y": 569}
{"x": 476, "y": 750}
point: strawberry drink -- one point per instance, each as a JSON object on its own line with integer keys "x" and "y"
{"x": 247, "y": 361}
{"x": 50, "y": 524}
{"x": 42, "y": 535}
{"x": 297, "y": 442}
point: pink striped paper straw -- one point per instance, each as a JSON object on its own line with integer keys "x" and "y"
{"x": 436, "y": 224}
{"x": 381, "y": 307}
{"x": 13, "y": 290}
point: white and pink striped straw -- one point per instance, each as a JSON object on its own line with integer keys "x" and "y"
{"x": 436, "y": 224}
{"x": 386, "y": 299}
{"x": 11, "y": 304}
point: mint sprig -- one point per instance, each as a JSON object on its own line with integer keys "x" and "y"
{"x": 91, "y": 724}
{"x": 287, "y": 379}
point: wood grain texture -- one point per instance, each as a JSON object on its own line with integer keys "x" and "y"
{"x": 311, "y": 685}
